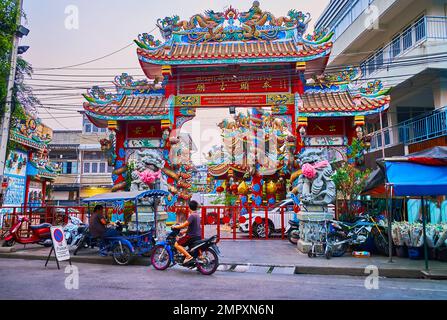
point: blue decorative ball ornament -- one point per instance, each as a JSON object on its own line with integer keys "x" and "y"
{"x": 258, "y": 200}
{"x": 272, "y": 201}
{"x": 114, "y": 177}
{"x": 122, "y": 153}
{"x": 256, "y": 187}
{"x": 244, "y": 199}
{"x": 244, "y": 211}
{"x": 119, "y": 164}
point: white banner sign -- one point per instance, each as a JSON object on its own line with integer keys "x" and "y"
{"x": 60, "y": 244}
{"x": 143, "y": 143}
{"x": 315, "y": 141}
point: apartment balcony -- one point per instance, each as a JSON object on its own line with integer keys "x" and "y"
{"x": 406, "y": 50}
{"x": 417, "y": 133}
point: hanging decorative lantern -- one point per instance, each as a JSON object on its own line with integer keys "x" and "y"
{"x": 271, "y": 187}
{"x": 220, "y": 189}
{"x": 242, "y": 188}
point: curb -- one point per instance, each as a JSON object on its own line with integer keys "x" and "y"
{"x": 255, "y": 267}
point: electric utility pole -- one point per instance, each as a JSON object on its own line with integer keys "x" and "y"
{"x": 8, "y": 105}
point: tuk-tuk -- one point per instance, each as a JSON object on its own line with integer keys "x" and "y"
{"x": 131, "y": 241}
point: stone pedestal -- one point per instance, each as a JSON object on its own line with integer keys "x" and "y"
{"x": 310, "y": 231}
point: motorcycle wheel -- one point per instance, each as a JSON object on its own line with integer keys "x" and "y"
{"x": 160, "y": 258}
{"x": 381, "y": 244}
{"x": 80, "y": 245}
{"x": 292, "y": 236}
{"x": 259, "y": 230}
{"x": 121, "y": 254}
{"x": 212, "y": 262}
{"x": 328, "y": 253}
{"x": 337, "y": 250}
{"x": 9, "y": 243}
{"x": 47, "y": 243}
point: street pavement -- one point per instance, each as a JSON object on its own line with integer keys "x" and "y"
{"x": 262, "y": 255}
{"x": 29, "y": 279}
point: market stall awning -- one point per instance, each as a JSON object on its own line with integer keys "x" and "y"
{"x": 125, "y": 195}
{"x": 376, "y": 179}
{"x": 415, "y": 179}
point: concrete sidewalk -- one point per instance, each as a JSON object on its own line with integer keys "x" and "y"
{"x": 272, "y": 256}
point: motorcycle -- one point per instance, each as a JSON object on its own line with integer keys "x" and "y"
{"x": 344, "y": 234}
{"x": 85, "y": 240}
{"x": 74, "y": 230}
{"x": 40, "y": 234}
{"x": 205, "y": 253}
{"x": 293, "y": 234}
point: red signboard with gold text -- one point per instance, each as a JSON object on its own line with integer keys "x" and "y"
{"x": 241, "y": 83}
{"x": 143, "y": 129}
{"x": 318, "y": 127}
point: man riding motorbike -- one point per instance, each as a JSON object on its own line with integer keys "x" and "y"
{"x": 193, "y": 233}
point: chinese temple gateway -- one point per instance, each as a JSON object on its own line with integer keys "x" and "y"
{"x": 228, "y": 59}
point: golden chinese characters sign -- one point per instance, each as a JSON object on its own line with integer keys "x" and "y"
{"x": 234, "y": 100}
{"x": 245, "y": 83}
{"x": 146, "y": 129}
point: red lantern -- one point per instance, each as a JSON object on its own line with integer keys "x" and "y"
{"x": 220, "y": 189}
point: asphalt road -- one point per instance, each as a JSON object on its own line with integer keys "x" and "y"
{"x": 18, "y": 278}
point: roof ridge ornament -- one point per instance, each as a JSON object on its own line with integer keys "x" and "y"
{"x": 230, "y": 25}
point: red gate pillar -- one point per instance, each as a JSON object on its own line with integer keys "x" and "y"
{"x": 120, "y": 171}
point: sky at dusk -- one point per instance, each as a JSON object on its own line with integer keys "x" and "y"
{"x": 106, "y": 26}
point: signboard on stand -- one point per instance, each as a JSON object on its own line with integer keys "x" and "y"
{"x": 60, "y": 247}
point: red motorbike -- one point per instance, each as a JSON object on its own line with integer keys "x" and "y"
{"x": 40, "y": 234}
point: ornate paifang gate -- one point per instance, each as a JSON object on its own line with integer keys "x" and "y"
{"x": 233, "y": 59}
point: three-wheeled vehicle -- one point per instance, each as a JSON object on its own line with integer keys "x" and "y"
{"x": 131, "y": 241}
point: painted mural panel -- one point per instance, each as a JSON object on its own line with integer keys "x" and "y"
{"x": 15, "y": 171}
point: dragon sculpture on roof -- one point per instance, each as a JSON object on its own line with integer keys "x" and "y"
{"x": 231, "y": 25}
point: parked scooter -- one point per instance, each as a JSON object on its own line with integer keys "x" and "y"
{"x": 74, "y": 230}
{"x": 205, "y": 253}
{"x": 293, "y": 234}
{"x": 40, "y": 234}
{"x": 85, "y": 240}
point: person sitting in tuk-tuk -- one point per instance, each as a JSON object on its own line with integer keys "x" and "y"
{"x": 193, "y": 233}
{"x": 98, "y": 223}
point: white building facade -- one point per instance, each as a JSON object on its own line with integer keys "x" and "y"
{"x": 404, "y": 44}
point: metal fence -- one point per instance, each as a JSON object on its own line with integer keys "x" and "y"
{"x": 227, "y": 222}
{"x": 38, "y": 215}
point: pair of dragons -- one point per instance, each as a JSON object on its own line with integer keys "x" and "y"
{"x": 214, "y": 23}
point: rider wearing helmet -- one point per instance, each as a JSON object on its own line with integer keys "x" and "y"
{"x": 193, "y": 233}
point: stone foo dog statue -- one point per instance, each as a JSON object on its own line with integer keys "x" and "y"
{"x": 315, "y": 186}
